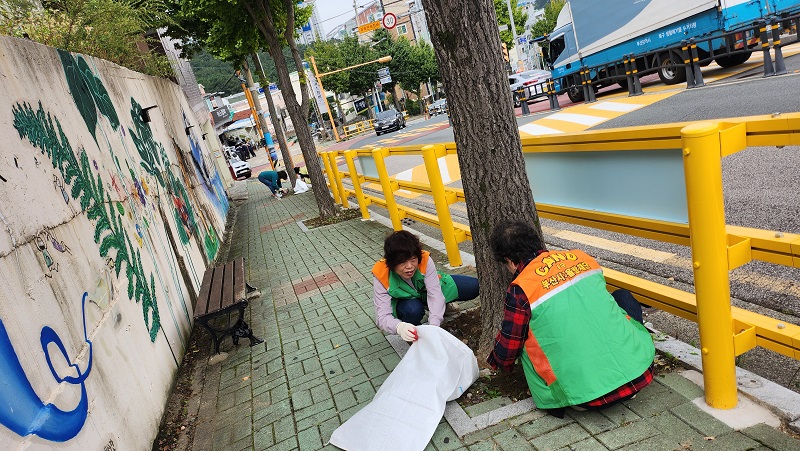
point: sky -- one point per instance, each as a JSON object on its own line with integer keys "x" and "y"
{"x": 336, "y": 12}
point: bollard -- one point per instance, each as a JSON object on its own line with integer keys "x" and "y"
{"x": 637, "y": 85}
{"x": 584, "y": 85}
{"x": 698, "y": 74}
{"x": 687, "y": 64}
{"x": 762, "y": 29}
{"x": 628, "y": 75}
{"x": 780, "y": 67}
{"x": 349, "y": 156}
{"x": 388, "y": 187}
{"x": 551, "y": 94}
{"x": 702, "y": 163}
{"x": 523, "y": 102}
{"x": 431, "y": 155}
{"x": 329, "y": 172}
{"x": 337, "y": 176}
{"x": 590, "y": 89}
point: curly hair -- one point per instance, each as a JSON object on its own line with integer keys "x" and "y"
{"x": 516, "y": 241}
{"x": 401, "y": 246}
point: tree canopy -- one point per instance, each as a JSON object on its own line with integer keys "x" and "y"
{"x": 520, "y": 19}
{"x": 547, "y": 24}
{"x": 107, "y": 29}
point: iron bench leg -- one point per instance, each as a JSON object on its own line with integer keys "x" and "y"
{"x": 241, "y": 329}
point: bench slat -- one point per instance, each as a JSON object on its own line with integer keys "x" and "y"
{"x": 215, "y": 297}
{"x": 205, "y": 289}
{"x": 227, "y": 287}
{"x": 238, "y": 280}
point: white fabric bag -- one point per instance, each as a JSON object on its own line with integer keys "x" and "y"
{"x": 405, "y": 411}
{"x": 300, "y": 186}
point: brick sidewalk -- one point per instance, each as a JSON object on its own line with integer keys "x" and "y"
{"x": 324, "y": 359}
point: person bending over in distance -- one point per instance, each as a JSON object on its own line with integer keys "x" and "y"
{"x": 273, "y": 181}
{"x": 406, "y": 283}
{"x": 579, "y": 345}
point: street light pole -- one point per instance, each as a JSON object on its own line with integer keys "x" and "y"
{"x": 383, "y": 59}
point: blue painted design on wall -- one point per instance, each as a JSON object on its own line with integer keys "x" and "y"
{"x": 21, "y": 409}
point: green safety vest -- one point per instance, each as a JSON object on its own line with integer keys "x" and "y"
{"x": 580, "y": 344}
{"x": 400, "y": 289}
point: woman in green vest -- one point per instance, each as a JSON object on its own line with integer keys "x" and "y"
{"x": 406, "y": 283}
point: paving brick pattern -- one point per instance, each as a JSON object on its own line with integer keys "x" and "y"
{"x": 324, "y": 358}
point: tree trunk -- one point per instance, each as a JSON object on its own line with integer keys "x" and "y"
{"x": 464, "y": 36}
{"x": 276, "y": 121}
{"x": 265, "y": 21}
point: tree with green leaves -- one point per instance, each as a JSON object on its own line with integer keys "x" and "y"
{"x": 237, "y": 28}
{"x": 520, "y": 19}
{"x": 493, "y": 172}
{"x": 107, "y": 29}
{"x": 413, "y": 65}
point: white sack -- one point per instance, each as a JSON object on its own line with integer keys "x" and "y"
{"x": 300, "y": 186}
{"x": 409, "y": 405}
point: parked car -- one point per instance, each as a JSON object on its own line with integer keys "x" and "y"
{"x": 531, "y": 80}
{"x": 437, "y": 107}
{"x": 387, "y": 121}
{"x": 239, "y": 169}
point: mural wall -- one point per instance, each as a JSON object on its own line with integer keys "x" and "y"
{"x": 110, "y": 209}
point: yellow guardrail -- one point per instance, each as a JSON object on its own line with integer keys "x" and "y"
{"x": 716, "y": 247}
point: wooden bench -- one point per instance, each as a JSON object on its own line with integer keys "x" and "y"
{"x": 224, "y": 291}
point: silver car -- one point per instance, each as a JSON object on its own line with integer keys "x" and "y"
{"x": 437, "y": 107}
{"x": 532, "y": 81}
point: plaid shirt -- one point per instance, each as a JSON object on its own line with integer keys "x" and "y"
{"x": 510, "y": 342}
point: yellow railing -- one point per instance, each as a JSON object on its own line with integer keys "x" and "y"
{"x": 716, "y": 247}
{"x": 361, "y": 128}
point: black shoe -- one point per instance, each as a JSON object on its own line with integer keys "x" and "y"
{"x": 558, "y": 413}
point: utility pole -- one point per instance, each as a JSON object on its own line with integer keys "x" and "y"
{"x": 514, "y": 34}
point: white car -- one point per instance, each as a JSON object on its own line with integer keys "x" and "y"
{"x": 532, "y": 81}
{"x": 239, "y": 169}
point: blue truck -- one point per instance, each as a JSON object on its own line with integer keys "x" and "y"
{"x": 600, "y": 34}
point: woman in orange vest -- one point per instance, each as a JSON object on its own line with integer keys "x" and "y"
{"x": 406, "y": 283}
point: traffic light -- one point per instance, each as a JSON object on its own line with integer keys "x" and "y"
{"x": 505, "y": 52}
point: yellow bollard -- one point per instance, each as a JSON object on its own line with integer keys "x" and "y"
{"x": 388, "y": 186}
{"x": 702, "y": 163}
{"x": 349, "y": 156}
{"x": 337, "y": 177}
{"x": 329, "y": 172}
{"x": 431, "y": 155}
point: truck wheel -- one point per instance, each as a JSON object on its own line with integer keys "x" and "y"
{"x": 671, "y": 71}
{"x": 575, "y": 94}
{"x": 732, "y": 60}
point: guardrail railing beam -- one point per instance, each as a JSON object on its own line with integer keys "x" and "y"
{"x": 349, "y": 156}
{"x": 388, "y": 186}
{"x": 329, "y": 172}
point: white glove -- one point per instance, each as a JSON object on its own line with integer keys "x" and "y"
{"x": 407, "y": 331}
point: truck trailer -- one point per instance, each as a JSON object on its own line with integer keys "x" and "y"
{"x": 600, "y": 34}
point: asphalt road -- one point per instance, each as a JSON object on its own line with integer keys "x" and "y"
{"x": 761, "y": 189}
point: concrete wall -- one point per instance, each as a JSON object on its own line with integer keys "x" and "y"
{"x": 107, "y": 223}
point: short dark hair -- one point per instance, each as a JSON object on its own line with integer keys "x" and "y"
{"x": 282, "y": 175}
{"x": 401, "y": 246}
{"x": 516, "y": 241}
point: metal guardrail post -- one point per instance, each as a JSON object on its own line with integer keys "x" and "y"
{"x": 337, "y": 176}
{"x": 637, "y": 85}
{"x": 780, "y": 66}
{"x": 702, "y": 160}
{"x": 388, "y": 186}
{"x": 698, "y": 74}
{"x": 431, "y": 155}
{"x": 628, "y": 74}
{"x": 687, "y": 64}
{"x": 329, "y": 172}
{"x": 762, "y": 29}
{"x": 349, "y": 156}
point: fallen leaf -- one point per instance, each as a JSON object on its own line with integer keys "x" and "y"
{"x": 709, "y": 438}
{"x": 245, "y": 378}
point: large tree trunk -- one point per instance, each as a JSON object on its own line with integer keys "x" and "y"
{"x": 276, "y": 121}
{"x": 265, "y": 21}
{"x": 467, "y": 44}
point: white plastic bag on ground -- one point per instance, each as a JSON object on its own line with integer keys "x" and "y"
{"x": 300, "y": 186}
{"x": 405, "y": 411}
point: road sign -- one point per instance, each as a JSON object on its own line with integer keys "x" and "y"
{"x": 372, "y": 26}
{"x": 522, "y": 39}
{"x": 389, "y": 21}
